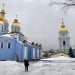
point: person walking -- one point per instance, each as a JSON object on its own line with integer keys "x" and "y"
{"x": 26, "y": 64}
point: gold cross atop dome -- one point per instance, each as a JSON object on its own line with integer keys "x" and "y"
{"x": 3, "y": 5}
{"x": 2, "y": 12}
{"x": 63, "y": 28}
{"x": 16, "y": 16}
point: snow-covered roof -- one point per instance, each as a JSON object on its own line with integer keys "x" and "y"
{"x": 20, "y": 42}
{"x": 7, "y": 35}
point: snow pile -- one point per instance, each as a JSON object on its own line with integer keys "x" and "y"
{"x": 56, "y": 59}
{"x": 7, "y": 67}
{"x": 60, "y": 59}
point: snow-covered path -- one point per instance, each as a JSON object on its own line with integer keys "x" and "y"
{"x": 49, "y": 69}
{"x": 39, "y": 68}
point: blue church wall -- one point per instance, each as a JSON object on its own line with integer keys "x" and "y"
{"x": 5, "y": 52}
{"x": 1, "y": 33}
{"x": 40, "y": 53}
{"x": 29, "y": 52}
{"x": 21, "y": 37}
{"x": 15, "y": 52}
{"x": 26, "y": 51}
{"x": 19, "y": 54}
{"x": 37, "y": 52}
{"x": 34, "y": 52}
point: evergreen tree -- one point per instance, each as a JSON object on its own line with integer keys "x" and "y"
{"x": 70, "y": 52}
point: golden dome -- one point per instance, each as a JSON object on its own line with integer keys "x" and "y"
{"x": 1, "y": 21}
{"x": 2, "y": 11}
{"x": 5, "y": 20}
{"x": 2, "y": 15}
{"x": 63, "y": 28}
{"x": 16, "y": 23}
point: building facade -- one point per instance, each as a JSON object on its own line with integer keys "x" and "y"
{"x": 64, "y": 39}
{"x": 13, "y": 44}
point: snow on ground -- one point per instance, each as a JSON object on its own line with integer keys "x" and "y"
{"x": 60, "y": 59}
{"x": 7, "y": 67}
{"x": 43, "y": 67}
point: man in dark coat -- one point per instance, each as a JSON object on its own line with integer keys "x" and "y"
{"x": 26, "y": 64}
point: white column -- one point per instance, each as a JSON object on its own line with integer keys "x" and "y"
{"x": 41, "y": 53}
{"x": 34, "y": 53}
{"x": 26, "y": 53}
{"x": 38, "y": 57}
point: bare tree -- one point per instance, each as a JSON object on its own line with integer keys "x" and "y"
{"x": 66, "y": 5}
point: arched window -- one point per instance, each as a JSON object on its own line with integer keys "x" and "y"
{"x": 64, "y": 43}
{"x": 1, "y": 44}
{"x": 9, "y": 44}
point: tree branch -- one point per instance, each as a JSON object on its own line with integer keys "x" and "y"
{"x": 66, "y": 5}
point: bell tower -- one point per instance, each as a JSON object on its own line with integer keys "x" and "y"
{"x": 64, "y": 39}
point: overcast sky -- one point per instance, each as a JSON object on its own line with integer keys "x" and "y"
{"x": 40, "y": 22}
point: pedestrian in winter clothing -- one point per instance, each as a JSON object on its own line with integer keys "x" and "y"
{"x": 26, "y": 64}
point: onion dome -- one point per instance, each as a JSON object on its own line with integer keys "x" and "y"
{"x": 5, "y": 21}
{"x": 2, "y": 12}
{"x": 33, "y": 43}
{"x": 36, "y": 44}
{"x": 63, "y": 28}
{"x": 40, "y": 45}
{"x": 16, "y": 23}
{"x": 1, "y": 21}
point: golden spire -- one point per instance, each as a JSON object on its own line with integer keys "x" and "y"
{"x": 3, "y": 11}
{"x": 3, "y": 5}
{"x": 63, "y": 28}
{"x": 62, "y": 22}
{"x": 16, "y": 23}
